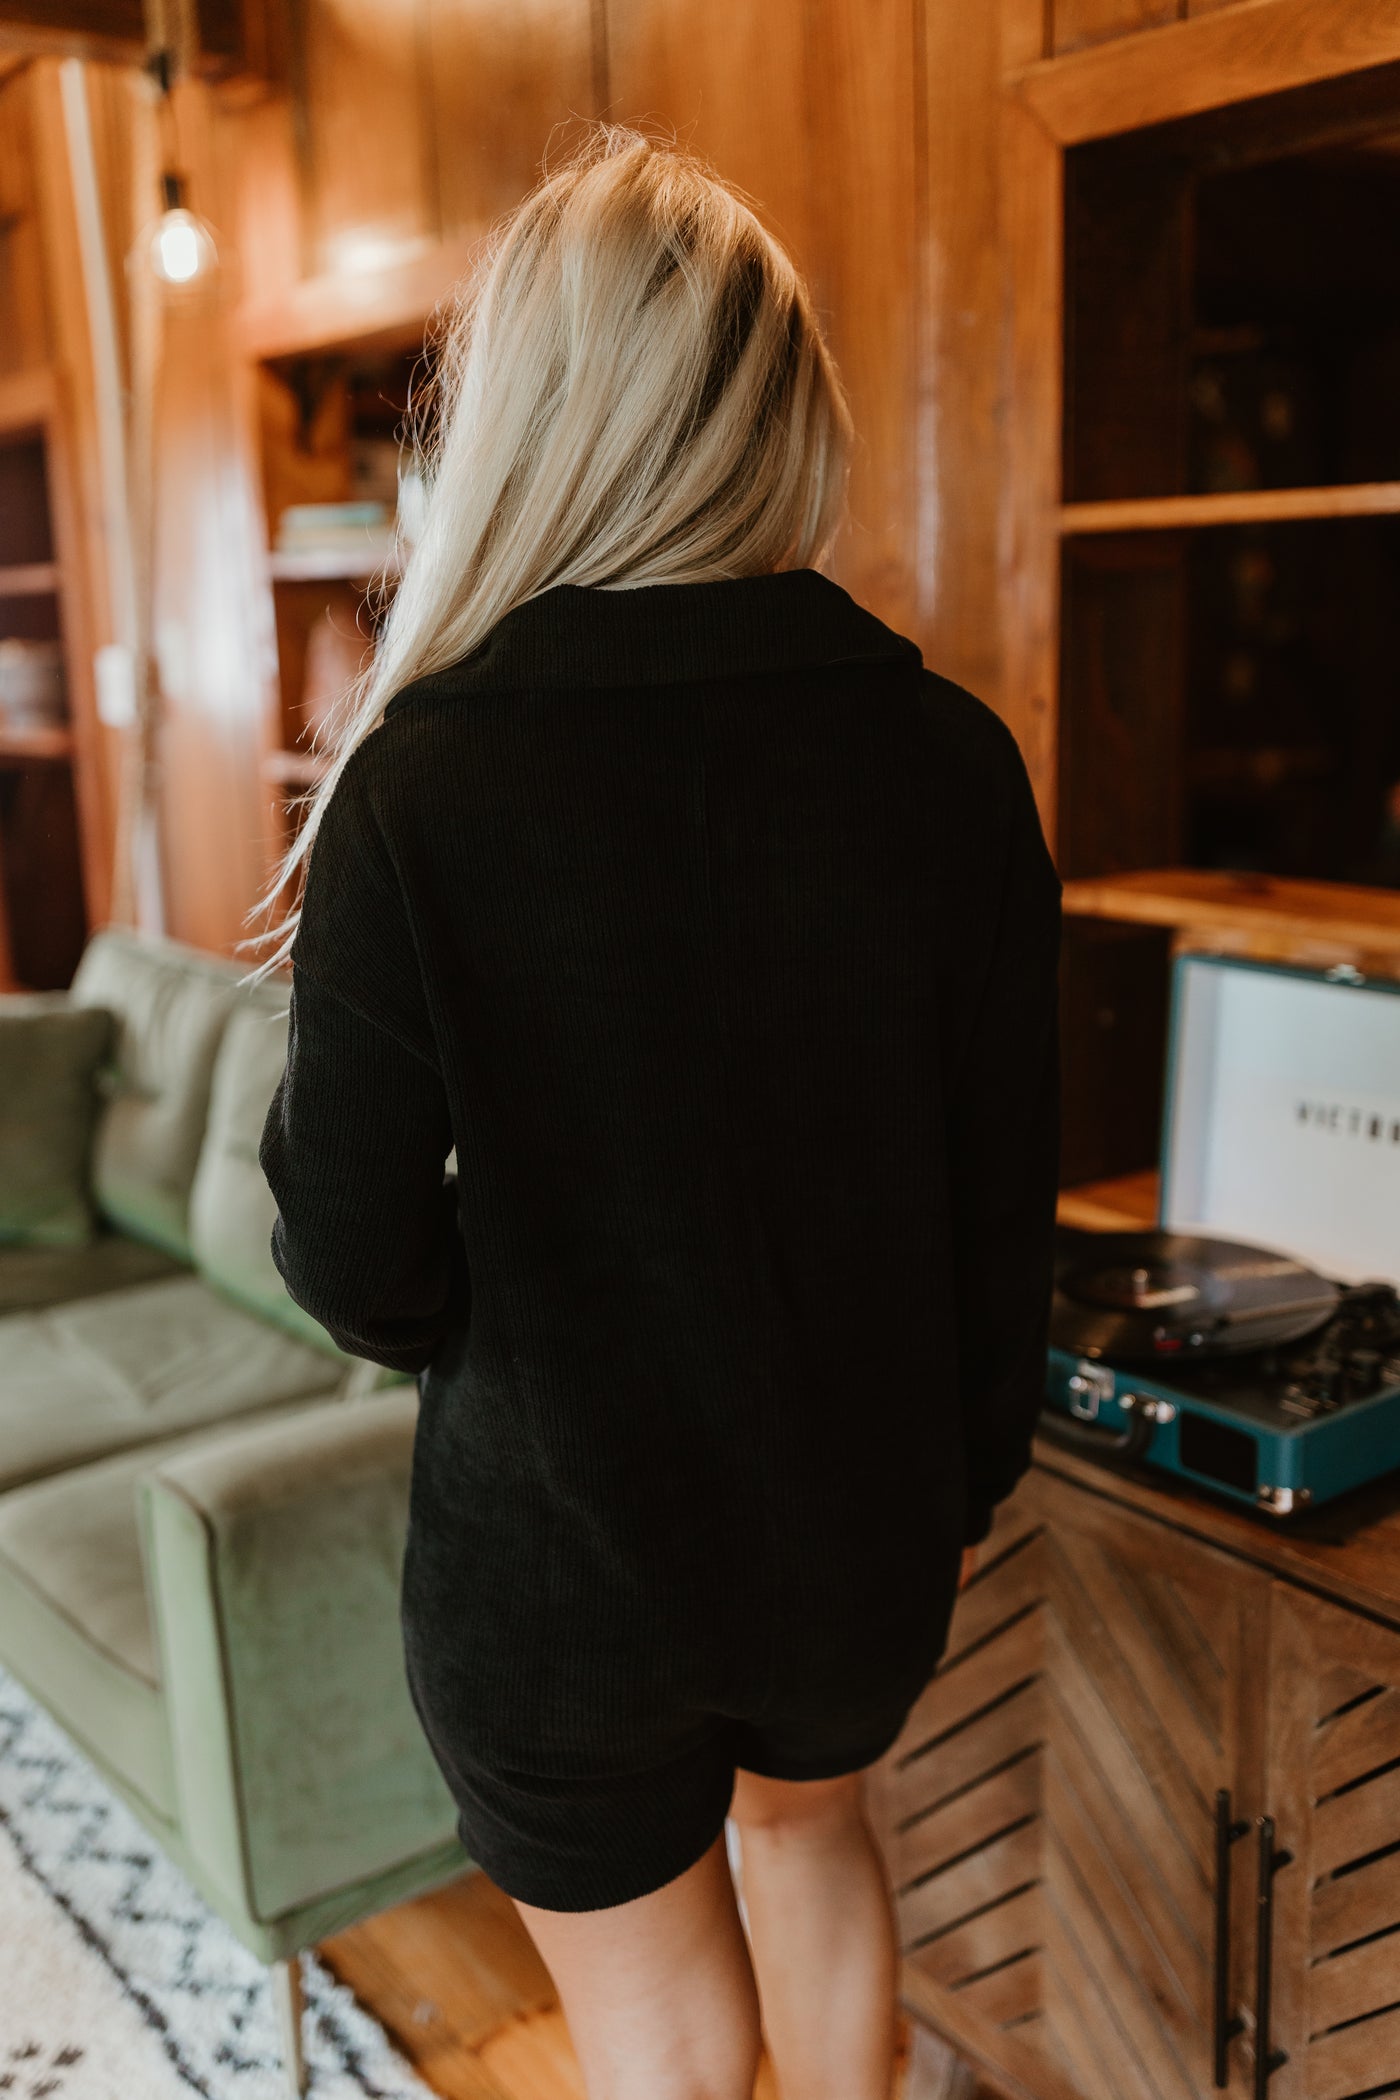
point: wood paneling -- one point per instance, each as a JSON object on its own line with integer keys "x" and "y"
{"x": 923, "y": 202}
{"x": 268, "y": 205}
{"x": 24, "y": 334}
{"x": 1079, "y": 22}
{"x": 813, "y": 112}
{"x": 1032, "y": 264}
{"x": 506, "y": 86}
{"x": 962, "y": 381}
{"x": 209, "y": 628}
{"x": 370, "y": 159}
{"x": 1025, "y": 33}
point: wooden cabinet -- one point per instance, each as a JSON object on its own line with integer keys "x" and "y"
{"x": 1333, "y": 1791}
{"x": 1049, "y": 1814}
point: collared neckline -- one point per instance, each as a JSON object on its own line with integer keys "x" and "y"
{"x": 669, "y": 634}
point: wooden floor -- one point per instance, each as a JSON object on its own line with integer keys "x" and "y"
{"x": 455, "y": 1979}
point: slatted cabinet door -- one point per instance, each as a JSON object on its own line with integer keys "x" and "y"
{"x": 1153, "y": 1646}
{"x": 1049, "y": 1812}
{"x": 957, "y": 1804}
{"x": 1333, "y": 1792}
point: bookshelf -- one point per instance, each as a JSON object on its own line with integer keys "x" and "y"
{"x": 1228, "y": 529}
{"x": 329, "y": 420}
{"x": 54, "y": 876}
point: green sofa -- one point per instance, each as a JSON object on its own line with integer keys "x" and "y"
{"x": 203, "y": 1498}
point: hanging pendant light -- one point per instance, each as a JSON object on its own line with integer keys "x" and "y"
{"x": 180, "y": 246}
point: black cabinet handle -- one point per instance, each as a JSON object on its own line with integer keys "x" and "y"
{"x": 1224, "y": 2025}
{"x": 1266, "y": 2058}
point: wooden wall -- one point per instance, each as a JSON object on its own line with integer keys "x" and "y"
{"x": 863, "y": 130}
{"x": 873, "y": 135}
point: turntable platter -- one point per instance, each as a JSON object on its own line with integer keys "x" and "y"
{"x": 1145, "y": 1295}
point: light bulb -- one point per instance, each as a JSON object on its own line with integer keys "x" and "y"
{"x": 178, "y": 250}
{"x": 179, "y": 247}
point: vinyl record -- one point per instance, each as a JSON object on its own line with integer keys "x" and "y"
{"x": 1140, "y": 1296}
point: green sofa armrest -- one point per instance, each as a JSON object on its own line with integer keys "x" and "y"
{"x": 273, "y": 1554}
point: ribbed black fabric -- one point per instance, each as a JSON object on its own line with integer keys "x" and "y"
{"x": 720, "y": 937}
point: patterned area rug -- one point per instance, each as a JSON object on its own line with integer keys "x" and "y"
{"x": 117, "y": 1982}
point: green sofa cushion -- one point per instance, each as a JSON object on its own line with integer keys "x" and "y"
{"x": 32, "y": 1277}
{"x": 73, "y": 1538}
{"x": 75, "y": 1623}
{"x": 273, "y": 1543}
{"x": 99, "y": 1375}
{"x": 172, "y": 1002}
{"x": 232, "y": 1209}
{"x": 50, "y": 1055}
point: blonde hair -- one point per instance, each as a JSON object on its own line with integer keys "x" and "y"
{"x": 632, "y": 389}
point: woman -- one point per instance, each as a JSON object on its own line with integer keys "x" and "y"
{"x": 719, "y": 938}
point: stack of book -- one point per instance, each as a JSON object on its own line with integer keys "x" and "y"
{"x": 355, "y": 538}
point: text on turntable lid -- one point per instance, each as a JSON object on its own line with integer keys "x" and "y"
{"x": 1282, "y": 1113}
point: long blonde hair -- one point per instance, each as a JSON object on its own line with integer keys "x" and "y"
{"x": 632, "y": 389}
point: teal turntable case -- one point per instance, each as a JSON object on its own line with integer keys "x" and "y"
{"x": 1281, "y": 1130}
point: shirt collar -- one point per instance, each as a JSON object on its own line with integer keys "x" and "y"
{"x": 670, "y": 634}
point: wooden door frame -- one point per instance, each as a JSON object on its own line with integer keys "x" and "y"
{"x": 1243, "y": 51}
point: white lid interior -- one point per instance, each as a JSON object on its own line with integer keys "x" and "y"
{"x": 1283, "y": 1115}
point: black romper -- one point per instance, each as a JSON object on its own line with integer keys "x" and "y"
{"x": 719, "y": 937}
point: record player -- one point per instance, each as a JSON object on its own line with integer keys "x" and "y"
{"x": 1251, "y": 1344}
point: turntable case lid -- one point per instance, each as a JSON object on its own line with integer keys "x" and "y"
{"x": 1281, "y": 1122}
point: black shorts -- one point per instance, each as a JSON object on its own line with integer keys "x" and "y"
{"x": 587, "y": 1843}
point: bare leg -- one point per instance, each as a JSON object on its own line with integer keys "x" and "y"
{"x": 823, "y": 1937}
{"x": 659, "y": 1994}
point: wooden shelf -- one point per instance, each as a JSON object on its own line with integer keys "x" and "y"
{"x": 1358, "y": 499}
{"x": 1345, "y": 913}
{"x": 19, "y": 744}
{"x": 333, "y": 564}
{"x": 1126, "y": 1203}
{"x": 28, "y": 579}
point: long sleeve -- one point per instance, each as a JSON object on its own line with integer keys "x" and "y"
{"x": 356, "y": 1138}
{"x": 366, "y": 1238}
{"x": 1004, "y": 1112}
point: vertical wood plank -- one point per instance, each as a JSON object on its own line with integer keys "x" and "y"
{"x": 269, "y": 205}
{"x": 369, "y": 169}
{"x": 24, "y": 335}
{"x": 506, "y": 87}
{"x": 1032, "y": 242}
{"x": 812, "y": 111}
{"x": 209, "y": 616}
{"x": 1025, "y": 33}
{"x": 861, "y": 120}
{"x": 962, "y": 405}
